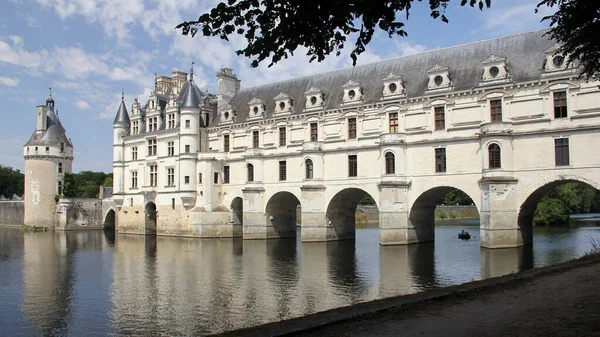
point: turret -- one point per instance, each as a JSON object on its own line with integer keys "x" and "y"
{"x": 121, "y": 127}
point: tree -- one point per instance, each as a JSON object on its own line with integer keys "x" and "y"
{"x": 571, "y": 198}
{"x": 457, "y": 197}
{"x": 576, "y": 27}
{"x": 276, "y": 28}
{"x": 11, "y": 181}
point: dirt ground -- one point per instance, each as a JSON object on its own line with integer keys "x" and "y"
{"x": 556, "y": 301}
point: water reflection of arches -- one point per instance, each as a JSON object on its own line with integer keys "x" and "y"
{"x": 422, "y": 212}
{"x": 341, "y": 212}
{"x": 237, "y": 211}
{"x": 528, "y": 207}
{"x": 150, "y": 220}
{"x": 109, "y": 220}
{"x": 498, "y": 262}
{"x": 406, "y": 269}
{"x": 281, "y": 213}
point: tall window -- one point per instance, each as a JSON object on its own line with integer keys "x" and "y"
{"x": 314, "y": 132}
{"x": 352, "y": 166}
{"x": 309, "y": 168}
{"x": 440, "y": 118}
{"x": 152, "y": 147}
{"x": 62, "y": 147}
{"x": 153, "y": 175}
{"x": 440, "y": 160}
{"x": 60, "y": 186}
{"x": 170, "y": 176}
{"x": 496, "y": 110}
{"x": 351, "y": 128}
{"x": 187, "y": 123}
{"x": 250, "y": 172}
{"x": 216, "y": 178}
{"x": 171, "y": 148}
{"x": 134, "y": 179}
{"x": 134, "y": 153}
{"x": 60, "y": 168}
{"x": 390, "y": 163}
{"x": 561, "y": 151}
{"x": 560, "y": 104}
{"x": 152, "y": 123}
{"x": 171, "y": 121}
{"x": 393, "y": 122}
{"x": 282, "y": 136}
{"x": 255, "y": 139}
{"x": 282, "y": 171}
{"x": 135, "y": 128}
{"x": 494, "y": 156}
{"x": 187, "y": 148}
{"x": 199, "y": 178}
{"x": 226, "y": 143}
{"x": 225, "y": 174}
{"x": 186, "y": 179}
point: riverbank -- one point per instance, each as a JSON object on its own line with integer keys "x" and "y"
{"x": 560, "y": 300}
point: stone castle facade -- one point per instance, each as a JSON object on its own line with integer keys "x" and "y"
{"x": 504, "y": 120}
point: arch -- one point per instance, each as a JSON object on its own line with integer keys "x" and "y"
{"x": 529, "y": 205}
{"x": 237, "y": 211}
{"x": 150, "y": 219}
{"x": 390, "y": 163}
{"x": 422, "y": 211}
{"x": 494, "y": 156}
{"x": 309, "y": 165}
{"x": 110, "y": 220}
{"x": 281, "y": 211}
{"x": 341, "y": 211}
{"x": 250, "y": 171}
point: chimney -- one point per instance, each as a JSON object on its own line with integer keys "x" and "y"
{"x": 178, "y": 79}
{"x": 162, "y": 84}
{"x": 42, "y": 118}
{"x": 228, "y": 86}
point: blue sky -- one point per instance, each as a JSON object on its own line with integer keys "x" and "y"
{"x": 89, "y": 50}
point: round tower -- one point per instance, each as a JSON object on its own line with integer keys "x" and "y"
{"x": 48, "y": 156}
{"x": 121, "y": 127}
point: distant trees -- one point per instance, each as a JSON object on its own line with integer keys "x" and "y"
{"x": 85, "y": 184}
{"x": 457, "y": 197}
{"x": 11, "y": 181}
{"x": 572, "y": 198}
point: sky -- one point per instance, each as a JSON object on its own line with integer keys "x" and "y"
{"x": 88, "y": 51}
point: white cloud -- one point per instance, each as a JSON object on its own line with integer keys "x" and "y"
{"x": 9, "y": 81}
{"x": 514, "y": 19}
{"x": 81, "y": 104}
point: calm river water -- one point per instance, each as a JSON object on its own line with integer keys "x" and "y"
{"x": 99, "y": 283}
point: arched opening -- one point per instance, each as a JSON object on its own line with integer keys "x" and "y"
{"x": 150, "y": 222}
{"x": 309, "y": 168}
{"x": 109, "y": 220}
{"x": 494, "y": 156}
{"x": 282, "y": 214}
{"x": 553, "y": 203}
{"x": 390, "y": 163}
{"x": 440, "y": 203}
{"x": 250, "y": 172}
{"x": 237, "y": 211}
{"x": 343, "y": 213}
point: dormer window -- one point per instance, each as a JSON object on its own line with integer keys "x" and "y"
{"x": 393, "y": 86}
{"x": 439, "y": 78}
{"x": 257, "y": 108}
{"x": 283, "y": 103}
{"x": 314, "y": 99}
{"x": 228, "y": 114}
{"x": 494, "y": 70}
{"x": 353, "y": 93}
{"x": 556, "y": 62}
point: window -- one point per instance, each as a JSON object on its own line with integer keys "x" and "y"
{"x": 134, "y": 153}
{"x": 172, "y": 203}
{"x": 186, "y": 179}
{"x": 314, "y": 132}
{"x": 187, "y": 148}
{"x": 62, "y": 147}
{"x": 282, "y": 171}
{"x": 496, "y": 110}
{"x": 135, "y": 129}
{"x": 561, "y": 151}
{"x": 250, "y": 172}
{"x": 352, "y": 166}
{"x": 36, "y": 148}
{"x": 170, "y": 176}
{"x": 199, "y": 178}
{"x": 134, "y": 179}
{"x": 47, "y": 149}
{"x": 152, "y": 123}
{"x": 560, "y": 104}
{"x": 171, "y": 149}
{"x": 171, "y": 121}
{"x": 282, "y": 136}
{"x": 393, "y": 122}
{"x": 494, "y": 156}
{"x": 187, "y": 123}
{"x": 225, "y": 174}
{"x": 255, "y": 139}
{"x": 152, "y": 147}
{"x": 440, "y": 160}
{"x": 351, "y": 128}
{"x": 216, "y": 178}
{"x": 309, "y": 168}
{"x": 60, "y": 186}
{"x": 440, "y": 118}
{"x": 153, "y": 175}
{"x": 60, "y": 168}
{"x": 390, "y": 163}
{"x": 226, "y": 143}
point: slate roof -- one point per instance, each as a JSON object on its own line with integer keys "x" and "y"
{"x": 190, "y": 96}
{"x": 122, "y": 117}
{"x": 524, "y": 59}
{"x": 55, "y": 133}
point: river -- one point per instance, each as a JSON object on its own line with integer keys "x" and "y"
{"x": 96, "y": 283}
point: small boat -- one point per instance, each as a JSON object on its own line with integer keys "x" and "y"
{"x": 463, "y": 235}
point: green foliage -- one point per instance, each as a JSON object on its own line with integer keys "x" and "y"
{"x": 576, "y": 27}
{"x": 85, "y": 184}
{"x": 69, "y": 188}
{"x": 11, "y": 181}
{"x": 367, "y": 200}
{"x": 457, "y": 197}
{"x": 276, "y": 28}
{"x": 570, "y": 198}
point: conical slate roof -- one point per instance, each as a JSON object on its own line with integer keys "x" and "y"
{"x": 122, "y": 117}
{"x": 190, "y": 96}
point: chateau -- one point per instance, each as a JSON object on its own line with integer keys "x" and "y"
{"x": 503, "y": 120}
